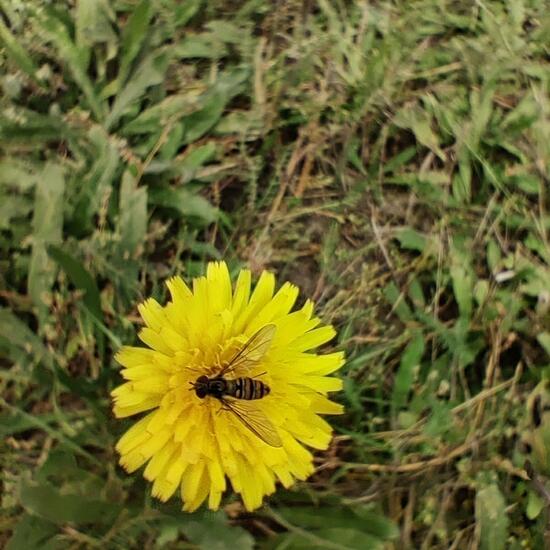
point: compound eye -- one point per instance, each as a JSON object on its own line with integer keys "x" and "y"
{"x": 200, "y": 392}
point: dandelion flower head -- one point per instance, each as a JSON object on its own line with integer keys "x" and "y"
{"x": 194, "y": 444}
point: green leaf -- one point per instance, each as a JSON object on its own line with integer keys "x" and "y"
{"x": 410, "y": 361}
{"x": 398, "y": 302}
{"x": 27, "y": 127}
{"x": 17, "y": 52}
{"x": 49, "y": 503}
{"x": 491, "y": 517}
{"x": 205, "y": 45}
{"x": 132, "y": 222}
{"x": 47, "y": 229}
{"x": 375, "y": 523}
{"x": 462, "y": 278}
{"x": 184, "y": 11}
{"x": 171, "y": 108}
{"x": 535, "y": 505}
{"x": 226, "y": 87}
{"x": 134, "y": 36}
{"x": 184, "y": 202}
{"x": 149, "y": 73}
{"x": 419, "y": 122}
{"x": 97, "y": 181}
{"x": 12, "y": 207}
{"x": 331, "y": 538}
{"x": 197, "y": 124}
{"x": 76, "y": 58}
{"x": 358, "y": 518}
{"x": 211, "y": 531}
{"x": 32, "y": 533}
{"x": 412, "y": 240}
{"x": 93, "y": 19}
{"x": 19, "y": 335}
{"x": 544, "y": 340}
{"x": 198, "y": 157}
{"x": 14, "y": 422}
{"x": 80, "y": 278}
{"x": 17, "y": 174}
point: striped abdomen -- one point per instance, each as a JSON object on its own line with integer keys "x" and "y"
{"x": 246, "y": 388}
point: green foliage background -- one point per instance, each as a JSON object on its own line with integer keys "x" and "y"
{"x": 391, "y": 158}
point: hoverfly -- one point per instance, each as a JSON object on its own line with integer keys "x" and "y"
{"x": 236, "y": 394}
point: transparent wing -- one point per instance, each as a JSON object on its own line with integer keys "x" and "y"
{"x": 254, "y": 419}
{"x": 252, "y": 352}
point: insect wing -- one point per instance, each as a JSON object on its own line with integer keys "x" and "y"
{"x": 252, "y": 352}
{"x": 255, "y": 420}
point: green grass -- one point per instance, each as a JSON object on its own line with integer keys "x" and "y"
{"x": 390, "y": 158}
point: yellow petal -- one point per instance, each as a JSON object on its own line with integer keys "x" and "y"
{"x": 154, "y": 340}
{"x": 313, "y": 338}
{"x": 219, "y": 286}
{"x": 179, "y": 291}
{"x": 261, "y": 296}
{"x": 277, "y": 307}
{"x": 242, "y": 292}
{"x": 152, "y": 313}
{"x": 130, "y": 356}
{"x": 158, "y": 462}
{"x": 136, "y": 435}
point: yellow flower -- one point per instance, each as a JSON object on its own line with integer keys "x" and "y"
{"x": 195, "y": 442}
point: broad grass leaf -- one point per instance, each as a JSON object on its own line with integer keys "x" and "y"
{"x": 184, "y": 11}
{"x": 226, "y": 87}
{"x": 331, "y": 538}
{"x": 93, "y": 22}
{"x": 398, "y": 302}
{"x": 184, "y": 202}
{"x": 49, "y": 503}
{"x": 95, "y": 184}
{"x": 375, "y": 523}
{"x": 17, "y": 335}
{"x": 544, "y": 340}
{"x": 418, "y": 121}
{"x": 410, "y": 361}
{"x": 17, "y": 174}
{"x": 412, "y": 239}
{"x": 15, "y": 422}
{"x": 172, "y": 108}
{"x": 13, "y": 206}
{"x": 134, "y": 36}
{"x": 462, "y": 278}
{"x": 400, "y": 159}
{"x": 535, "y": 505}
{"x": 18, "y": 52}
{"x": 416, "y": 294}
{"x": 491, "y": 517}
{"x": 211, "y": 531}
{"x": 29, "y": 128}
{"x": 206, "y": 45}
{"x": 76, "y": 59}
{"x": 199, "y": 156}
{"x": 149, "y": 73}
{"x": 33, "y": 533}
{"x": 462, "y": 181}
{"x": 482, "y": 108}
{"x": 356, "y": 518}
{"x": 47, "y": 229}
{"x": 526, "y": 112}
{"x": 80, "y": 278}
{"x": 132, "y": 221}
